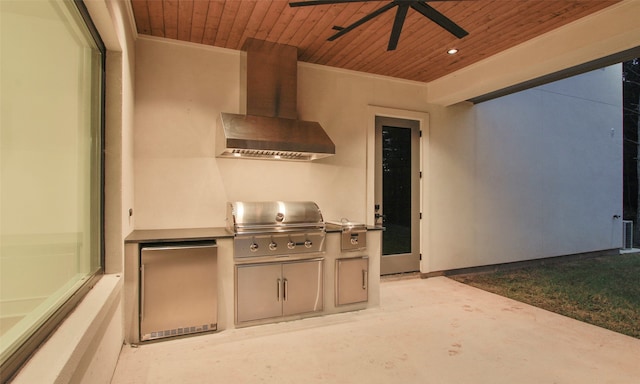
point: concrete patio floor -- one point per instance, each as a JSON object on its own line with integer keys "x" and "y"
{"x": 425, "y": 331}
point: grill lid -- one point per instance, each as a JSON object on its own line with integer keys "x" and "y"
{"x": 273, "y": 216}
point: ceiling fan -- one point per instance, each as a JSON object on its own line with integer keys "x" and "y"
{"x": 403, "y": 6}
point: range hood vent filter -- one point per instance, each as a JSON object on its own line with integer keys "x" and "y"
{"x": 272, "y": 154}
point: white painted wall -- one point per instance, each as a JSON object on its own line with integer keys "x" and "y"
{"x": 535, "y": 174}
{"x": 114, "y": 21}
{"x": 180, "y": 91}
{"x": 538, "y": 175}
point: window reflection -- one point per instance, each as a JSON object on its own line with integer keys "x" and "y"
{"x": 50, "y": 160}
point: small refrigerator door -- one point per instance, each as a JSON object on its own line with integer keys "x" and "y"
{"x": 178, "y": 290}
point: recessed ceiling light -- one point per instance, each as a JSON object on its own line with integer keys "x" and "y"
{"x": 452, "y": 51}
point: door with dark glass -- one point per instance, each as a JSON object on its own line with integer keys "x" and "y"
{"x": 397, "y": 204}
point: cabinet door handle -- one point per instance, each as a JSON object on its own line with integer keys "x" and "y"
{"x": 364, "y": 279}
{"x": 142, "y": 292}
{"x": 286, "y": 289}
{"x": 278, "y": 290}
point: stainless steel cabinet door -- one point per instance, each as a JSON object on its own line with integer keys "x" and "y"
{"x": 352, "y": 280}
{"x": 258, "y": 291}
{"x": 302, "y": 287}
{"x": 178, "y": 291}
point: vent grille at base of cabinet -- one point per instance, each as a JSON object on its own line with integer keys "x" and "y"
{"x": 627, "y": 234}
{"x": 180, "y": 331}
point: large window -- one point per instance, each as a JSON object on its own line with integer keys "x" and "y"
{"x": 51, "y": 80}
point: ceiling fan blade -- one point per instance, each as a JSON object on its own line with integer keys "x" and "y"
{"x": 322, "y": 2}
{"x": 358, "y": 23}
{"x": 440, "y": 19}
{"x": 401, "y": 14}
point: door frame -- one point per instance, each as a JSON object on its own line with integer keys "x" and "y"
{"x": 423, "y": 118}
{"x": 399, "y": 262}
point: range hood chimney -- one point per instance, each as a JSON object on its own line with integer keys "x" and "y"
{"x": 270, "y": 129}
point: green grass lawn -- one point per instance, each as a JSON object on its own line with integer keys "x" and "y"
{"x": 603, "y": 291}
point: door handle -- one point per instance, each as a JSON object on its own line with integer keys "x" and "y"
{"x": 142, "y": 292}
{"x": 364, "y": 279}
{"x": 285, "y": 282}
{"x": 278, "y": 294}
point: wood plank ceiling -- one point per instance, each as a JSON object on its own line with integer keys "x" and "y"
{"x": 421, "y": 55}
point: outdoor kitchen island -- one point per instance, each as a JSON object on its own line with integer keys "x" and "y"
{"x": 333, "y": 258}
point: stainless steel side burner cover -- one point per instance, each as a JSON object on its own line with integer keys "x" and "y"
{"x": 354, "y": 235}
{"x": 346, "y": 224}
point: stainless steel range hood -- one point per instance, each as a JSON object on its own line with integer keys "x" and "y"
{"x": 270, "y": 129}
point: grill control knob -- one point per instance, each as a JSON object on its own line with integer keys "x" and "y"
{"x": 273, "y": 246}
{"x": 291, "y": 245}
{"x": 253, "y": 247}
{"x": 308, "y": 244}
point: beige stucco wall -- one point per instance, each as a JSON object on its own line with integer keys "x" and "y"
{"x": 180, "y": 91}
{"x": 489, "y": 195}
{"x": 531, "y": 175}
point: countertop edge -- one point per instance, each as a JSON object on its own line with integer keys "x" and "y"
{"x": 194, "y": 234}
{"x": 178, "y": 234}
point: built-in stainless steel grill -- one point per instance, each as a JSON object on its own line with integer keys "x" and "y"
{"x": 275, "y": 228}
